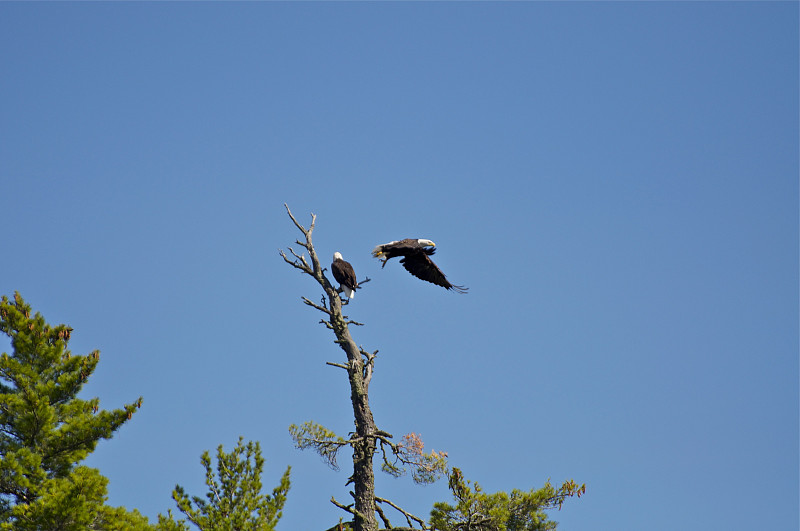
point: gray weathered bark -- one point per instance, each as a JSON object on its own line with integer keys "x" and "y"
{"x": 359, "y": 369}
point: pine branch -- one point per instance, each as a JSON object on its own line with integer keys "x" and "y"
{"x": 425, "y": 467}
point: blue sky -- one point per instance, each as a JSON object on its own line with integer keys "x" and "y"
{"x": 617, "y": 184}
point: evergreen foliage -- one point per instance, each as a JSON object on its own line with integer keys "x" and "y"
{"x": 46, "y": 431}
{"x": 75, "y": 503}
{"x": 476, "y": 510}
{"x": 234, "y": 501}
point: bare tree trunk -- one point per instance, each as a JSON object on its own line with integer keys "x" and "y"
{"x": 359, "y": 376}
{"x": 364, "y": 448}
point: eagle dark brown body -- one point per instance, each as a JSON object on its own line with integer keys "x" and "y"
{"x": 416, "y": 259}
{"x": 344, "y": 274}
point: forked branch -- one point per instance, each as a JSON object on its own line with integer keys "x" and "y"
{"x": 409, "y": 516}
{"x": 317, "y": 306}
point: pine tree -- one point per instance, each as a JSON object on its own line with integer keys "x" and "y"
{"x": 46, "y": 431}
{"x": 234, "y": 500}
{"x": 476, "y": 510}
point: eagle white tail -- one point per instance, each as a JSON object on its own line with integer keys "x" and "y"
{"x": 349, "y": 292}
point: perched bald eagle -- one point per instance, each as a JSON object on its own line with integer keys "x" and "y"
{"x": 416, "y": 259}
{"x": 344, "y": 275}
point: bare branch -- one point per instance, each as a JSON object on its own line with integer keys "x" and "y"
{"x": 300, "y": 257}
{"x": 369, "y": 366}
{"x": 348, "y": 508}
{"x": 299, "y": 264}
{"x": 317, "y": 306}
{"x": 408, "y": 515}
{"x": 388, "y": 467}
{"x": 383, "y": 442}
{"x": 370, "y": 356}
{"x": 296, "y": 224}
{"x": 386, "y": 522}
{"x": 367, "y": 374}
{"x": 345, "y": 367}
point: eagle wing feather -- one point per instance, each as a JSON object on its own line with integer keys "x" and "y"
{"x": 421, "y": 266}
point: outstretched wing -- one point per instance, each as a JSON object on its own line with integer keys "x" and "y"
{"x": 421, "y": 266}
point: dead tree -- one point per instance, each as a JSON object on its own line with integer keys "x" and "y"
{"x": 367, "y": 438}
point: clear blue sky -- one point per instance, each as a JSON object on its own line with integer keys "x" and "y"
{"x": 617, "y": 184}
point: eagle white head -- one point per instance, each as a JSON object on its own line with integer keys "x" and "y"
{"x": 427, "y": 243}
{"x": 337, "y": 256}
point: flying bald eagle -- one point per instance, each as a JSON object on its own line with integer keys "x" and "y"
{"x": 416, "y": 259}
{"x": 344, "y": 275}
